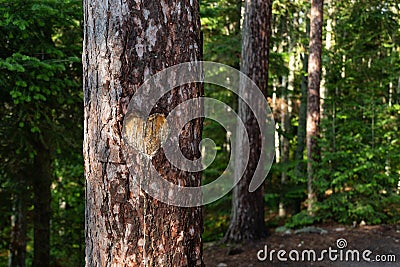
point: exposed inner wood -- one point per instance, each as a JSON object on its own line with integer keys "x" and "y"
{"x": 146, "y": 135}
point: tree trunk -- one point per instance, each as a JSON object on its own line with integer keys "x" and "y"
{"x": 247, "y": 218}
{"x": 276, "y": 113}
{"x": 42, "y": 204}
{"x": 301, "y": 130}
{"x": 125, "y": 43}
{"x": 18, "y": 225}
{"x": 285, "y": 145}
{"x": 313, "y": 103}
{"x": 239, "y": 16}
{"x": 328, "y": 44}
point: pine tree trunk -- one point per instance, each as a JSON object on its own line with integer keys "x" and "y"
{"x": 42, "y": 206}
{"x": 313, "y": 103}
{"x": 247, "y": 218}
{"x": 125, "y": 43}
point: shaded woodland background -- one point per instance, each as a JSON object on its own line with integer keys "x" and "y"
{"x": 358, "y": 175}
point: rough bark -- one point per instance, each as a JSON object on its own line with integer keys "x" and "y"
{"x": 125, "y": 43}
{"x": 247, "y": 218}
{"x": 313, "y": 103}
{"x": 42, "y": 178}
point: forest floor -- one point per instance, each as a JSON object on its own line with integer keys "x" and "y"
{"x": 382, "y": 240}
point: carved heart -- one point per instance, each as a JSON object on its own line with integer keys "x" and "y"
{"x": 146, "y": 135}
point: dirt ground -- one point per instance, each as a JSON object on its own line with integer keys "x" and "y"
{"x": 382, "y": 240}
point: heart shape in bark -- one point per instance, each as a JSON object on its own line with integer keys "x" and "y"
{"x": 146, "y": 136}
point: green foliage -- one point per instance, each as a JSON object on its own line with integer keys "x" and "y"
{"x": 41, "y": 103}
{"x": 358, "y": 174}
{"x": 40, "y": 72}
{"x": 67, "y": 228}
{"x": 221, "y": 43}
{"x": 220, "y": 21}
{"x": 300, "y": 219}
{"x": 216, "y": 219}
{"x": 360, "y": 163}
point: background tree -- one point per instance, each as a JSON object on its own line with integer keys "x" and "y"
{"x": 313, "y": 101}
{"x": 124, "y": 44}
{"x": 247, "y": 216}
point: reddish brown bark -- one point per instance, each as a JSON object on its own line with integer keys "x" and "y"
{"x": 313, "y": 101}
{"x": 247, "y": 217}
{"x": 125, "y": 43}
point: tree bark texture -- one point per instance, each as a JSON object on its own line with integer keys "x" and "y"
{"x": 313, "y": 101}
{"x": 125, "y": 43}
{"x": 247, "y": 217}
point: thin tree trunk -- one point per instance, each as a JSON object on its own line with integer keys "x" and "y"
{"x": 247, "y": 218}
{"x": 239, "y": 16}
{"x": 18, "y": 224}
{"x": 301, "y": 129}
{"x": 328, "y": 44}
{"x": 285, "y": 123}
{"x": 398, "y": 102}
{"x": 125, "y": 43}
{"x": 238, "y": 28}
{"x": 275, "y": 110}
{"x": 286, "y": 113}
{"x": 313, "y": 103}
{"x": 42, "y": 206}
{"x": 398, "y": 91}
